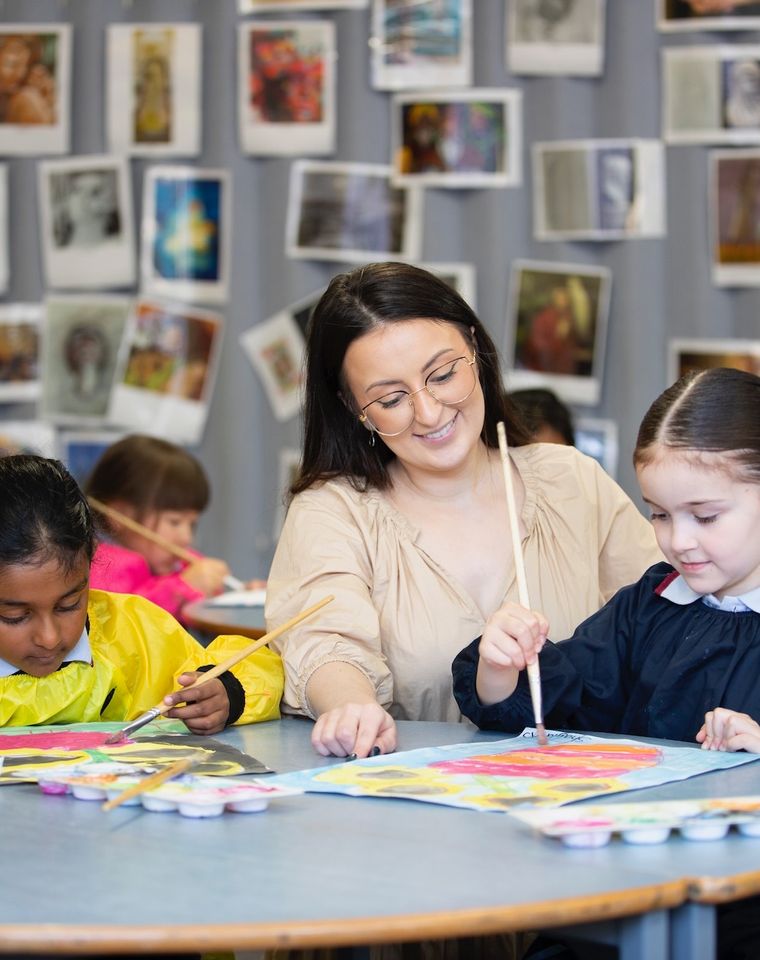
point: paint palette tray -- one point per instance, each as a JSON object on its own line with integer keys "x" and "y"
{"x": 648, "y": 822}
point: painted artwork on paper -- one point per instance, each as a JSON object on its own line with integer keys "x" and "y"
{"x": 501, "y": 774}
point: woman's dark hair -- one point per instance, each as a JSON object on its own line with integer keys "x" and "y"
{"x": 708, "y": 411}
{"x": 43, "y": 513}
{"x": 149, "y": 474}
{"x": 335, "y": 442}
{"x": 540, "y": 407}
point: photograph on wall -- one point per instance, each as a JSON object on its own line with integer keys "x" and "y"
{"x": 598, "y": 438}
{"x": 685, "y": 355}
{"x": 35, "y": 78}
{"x": 4, "y": 236}
{"x": 153, "y": 89}
{"x": 421, "y": 44}
{"x": 275, "y": 349}
{"x": 735, "y": 217}
{"x": 460, "y": 276}
{"x": 272, "y": 6}
{"x": 556, "y": 37}
{"x": 556, "y": 328}
{"x": 28, "y": 436}
{"x": 469, "y": 138}
{"x": 87, "y": 234}
{"x": 289, "y": 465}
{"x": 598, "y": 189}
{"x": 286, "y": 87}
{"x": 81, "y": 337}
{"x": 711, "y": 94}
{"x": 186, "y": 233}
{"x": 20, "y": 352}
{"x": 707, "y": 14}
{"x": 81, "y": 449}
{"x": 167, "y": 367}
{"x": 351, "y": 212}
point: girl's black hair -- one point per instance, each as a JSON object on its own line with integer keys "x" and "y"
{"x": 43, "y": 513}
{"x": 335, "y": 442}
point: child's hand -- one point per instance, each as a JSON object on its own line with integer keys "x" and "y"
{"x": 728, "y": 730}
{"x": 256, "y": 585}
{"x": 206, "y": 575}
{"x": 512, "y": 639}
{"x": 206, "y": 708}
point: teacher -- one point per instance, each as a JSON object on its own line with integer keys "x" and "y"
{"x": 399, "y": 511}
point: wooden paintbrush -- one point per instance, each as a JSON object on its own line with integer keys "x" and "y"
{"x": 534, "y": 671}
{"x": 154, "y": 780}
{"x": 216, "y": 671}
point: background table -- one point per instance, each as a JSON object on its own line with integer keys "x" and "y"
{"x": 215, "y": 620}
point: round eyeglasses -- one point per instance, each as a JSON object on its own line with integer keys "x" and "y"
{"x": 451, "y": 383}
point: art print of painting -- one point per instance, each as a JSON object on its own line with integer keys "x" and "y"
{"x": 276, "y": 351}
{"x": 460, "y": 276}
{"x": 420, "y": 44}
{"x": 271, "y": 6}
{"x": 556, "y": 37}
{"x": 28, "y": 436}
{"x": 558, "y": 323}
{"x": 154, "y": 88}
{"x": 186, "y": 233}
{"x": 351, "y": 212}
{"x": 167, "y": 368}
{"x": 20, "y": 352}
{"x": 735, "y": 217}
{"x": 80, "y": 348}
{"x": 685, "y": 355}
{"x": 466, "y": 139}
{"x": 598, "y": 439}
{"x": 4, "y": 261}
{"x": 80, "y": 451}
{"x": 707, "y": 14}
{"x": 35, "y": 65}
{"x": 286, "y": 74}
{"x": 87, "y": 234}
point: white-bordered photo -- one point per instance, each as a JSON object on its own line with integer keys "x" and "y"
{"x": 561, "y": 37}
{"x": 557, "y": 327}
{"x": 735, "y": 217}
{"x": 286, "y": 87}
{"x": 81, "y": 339}
{"x": 598, "y": 189}
{"x": 421, "y": 44}
{"x": 686, "y": 354}
{"x": 275, "y": 348}
{"x": 461, "y": 138}
{"x": 351, "y": 212}
{"x": 273, "y": 6}
{"x": 28, "y": 436}
{"x": 20, "y": 352}
{"x": 153, "y": 85}
{"x": 598, "y": 438}
{"x": 707, "y": 15}
{"x": 35, "y": 88}
{"x": 80, "y": 450}
{"x": 186, "y": 233}
{"x": 167, "y": 369}
{"x": 87, "y": 233}
{"x": 460, "y": 276}
{"x": 289, "y": 465}
{"x": 4, "y": 237}
{"x": 300, "y": 311}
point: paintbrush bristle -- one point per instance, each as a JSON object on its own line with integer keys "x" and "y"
{"x": 543, "y": 740}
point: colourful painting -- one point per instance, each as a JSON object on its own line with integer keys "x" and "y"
{"x": 506, "y": 773}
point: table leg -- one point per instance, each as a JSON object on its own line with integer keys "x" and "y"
{"x": 693, "y": 932}
{"x": 641, "y": 937}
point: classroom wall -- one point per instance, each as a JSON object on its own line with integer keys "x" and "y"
{"x": 661, "y": 288}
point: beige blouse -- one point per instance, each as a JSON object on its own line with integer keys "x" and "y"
{"x": 400, "y": 618}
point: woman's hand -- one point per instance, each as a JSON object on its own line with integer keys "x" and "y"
{"x": 512, "y": 639}
{"x": 206, "y": 575}
{"x": 206, "y": 706}
{"x": 354, "y": 728}
{"x": 728, "y": 730}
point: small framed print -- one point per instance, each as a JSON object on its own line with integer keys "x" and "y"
{"x": 154, "y": 88}
{"x": 20, "y": 352}
{"x": 276, "y": 351}
{"x": 351, "y": 212}
{"x": 469, "y": 138}
{"x": 556, "y": 38}
{"x": 707, "y": 15}
{"x": 420, "y": 44}
{"x": 272, "y": 6}
{"x": 35, "y": 79}
{"x": 734, "y": 224}
{"x": 599, "y": 189}
{"x": 286, "y": 84}
{"x": 186, "y": 233}
{"x": 86, "y": 222}
{"x": 289, "y": 468}
{"x": 81, "y": 450}
{"x": 598, "y": 438}
{"x": 685, "y": 355}
{"x": 4, "y": 260}
{"x": 557, "y": 327}
{"x": 460, "y": 276}
{"x": 28, "y": 436}
{"x": 166, "y": 372}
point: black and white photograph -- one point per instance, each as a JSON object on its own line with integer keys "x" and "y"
{"x": 20, "y": 352}
{"x": 556, "y": 37}
{"x": 676, "y": 15}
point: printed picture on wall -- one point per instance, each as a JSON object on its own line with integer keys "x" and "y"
{"x": 154, "y": 88}
{"x": 460, "y": 276}
{"x": 186, "y": 233}
{"x": 20, "y": 352}
{"x": 286, "y": 83}
{"x": 351, "y": 212}
{"x": 685, "y": 355}
{"x": 556, "y": 36}
{"x": 557, "y": 326}
{"x": 276, "y": 351}
{"x": 289, "y": 463}
{"x": 735, "y": 217}
{"x": 35, "y": 65}
{"x": 598, "y": 438}
{"x": 28, "y": 436}
{"x": 470, "y": 138}
{"x": 80, "y": 451}
{"x": 86, "y": 222}
{"x": 271, "y": 6}
{"x": 707, "y": 15}
{"x": 419, "y": 44}
{"x": 4, "y": 238}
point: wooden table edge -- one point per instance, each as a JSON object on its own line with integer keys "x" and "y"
{"x": 735, "y": 886}
{"x": 198, "y": 621}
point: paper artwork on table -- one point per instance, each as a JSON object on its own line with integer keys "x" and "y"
{"x": 420, "y": 44}
{"x": 35, "y": 79}
{"x": 167, "y": 368}
{"x": 286, "y": 87}
{"x": 28, "y": 436}
{"x": 557, "y": 327}
{"x": 685, "y": 355}
{"x": 598, "y": 439}
{"x": 289, "y": 466}
{"x": 461, "y": 139}
{"x": 154, "y": 88}
{"x": 272, "y": 6}
{"x": 275, "y": 349}
{"x": 460, "y": 276}
{"x": 81, "y": 450}
{"x": 186, "y": 233}
{"x": 351, "y": 212}
{"x": 87, "y": 233}
{"x": 735, "y": 217}
{"x": 698, "y": 15}
{"x": 80, "y": 346}
{"x": 556, "y": 38}
{"x": 20, "y": 352}
{"x": 598, "y": 189}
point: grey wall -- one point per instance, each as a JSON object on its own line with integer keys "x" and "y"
{"x": 661, "y": 288}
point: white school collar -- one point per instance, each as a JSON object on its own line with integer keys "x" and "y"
{"x": 80, "y": 652}
{"x": 679, "y": 591}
